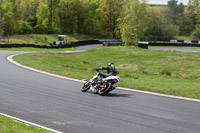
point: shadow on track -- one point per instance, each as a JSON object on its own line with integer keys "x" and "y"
{"x": 115, "y": 95}
{"x": 119, "y": 95}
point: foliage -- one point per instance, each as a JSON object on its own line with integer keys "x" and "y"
{"x": 107, "y": 18}
{"x": 190, "y": 17}
{"x": 42, "y": 19}
{"x": 10, "y": 11}
{"x": 1, "y": 22}
{"x": 159, "y": 25}
{"x": 53, "y": 7}
{"x": 90, "y": 18}
{"x": 193, "y": 3}
{"x": 186, "y": 22}
{"x": 135, "y": 21}
{"x": 196, "y": 33}
{"x": 175, "y": 10}
{"x": 110, "y": 11}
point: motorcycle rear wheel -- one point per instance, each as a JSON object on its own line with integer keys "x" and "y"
{"x": 86, "y": 86}
{"x": 106, "y": 90}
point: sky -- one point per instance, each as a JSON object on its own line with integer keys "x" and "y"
{"x": 185, "y": 2}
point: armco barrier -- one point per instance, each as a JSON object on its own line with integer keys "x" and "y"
{"x": 174, "y": 44}
{"x": 143, "y": 45}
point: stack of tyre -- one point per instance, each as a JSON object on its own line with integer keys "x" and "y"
{"x": 112, "y": 44}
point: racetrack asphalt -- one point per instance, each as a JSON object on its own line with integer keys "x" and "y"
{"x": 59, "y": 104}
{"x": 178, "y": 49}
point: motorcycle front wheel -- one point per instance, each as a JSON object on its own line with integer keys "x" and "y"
{"x": 86, "y": 86}
{"x": 106, "y": 90}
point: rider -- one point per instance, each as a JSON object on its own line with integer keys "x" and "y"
{"x": 111, "y": 70}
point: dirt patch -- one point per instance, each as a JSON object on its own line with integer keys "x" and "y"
{"x": 165, "y": 59}
{"x": 129, "y": 67}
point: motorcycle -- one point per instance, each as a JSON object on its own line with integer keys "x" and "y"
{"x": 101, "y": 86}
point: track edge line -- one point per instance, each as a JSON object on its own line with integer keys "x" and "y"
{"x": 30, "y": 123}
{"x": 76, "y": 80}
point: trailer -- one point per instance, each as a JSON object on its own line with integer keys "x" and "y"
{"x": 61, "y": 41}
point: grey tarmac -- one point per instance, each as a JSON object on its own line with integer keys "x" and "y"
{"x": 59, "y": 104}
{"x": 178, "y": 49}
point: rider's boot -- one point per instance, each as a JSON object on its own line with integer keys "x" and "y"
{"x": 93, "y": 89}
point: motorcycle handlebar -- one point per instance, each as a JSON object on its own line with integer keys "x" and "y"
{"x": 96, "y": 70}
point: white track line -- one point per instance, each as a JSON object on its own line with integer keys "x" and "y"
{"x": 76, "y": 80}
{"x": 30, "y": 123}
{"x": 35, "y": 70}
{"x": 162, "y": 95}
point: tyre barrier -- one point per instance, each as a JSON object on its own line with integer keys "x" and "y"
{"x": 23, "y": 45}
{"x": 118, "y": 43}
{"x": 67, "y": 45}
{"x": 112, "y": 44}
{"x": 182, "y": 43}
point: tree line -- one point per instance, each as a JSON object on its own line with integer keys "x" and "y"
{"x": 126, "y": 19}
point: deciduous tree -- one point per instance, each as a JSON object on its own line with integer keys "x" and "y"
{"x": 52, "y": 6}
{"x": 159, "y": 27}
{"x": 42, "y": 18}
{"x": 135, "y": 22}
{"x": 90, "y": 18}
{"x": 110, "y": 11}
{"x": 175, "y": 10}
{"x": 10, "y": 16}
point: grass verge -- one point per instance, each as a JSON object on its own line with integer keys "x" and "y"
{"x": 37, "y": 49}
{"x": 183, "y": 37}
{"x": 40, "y": 39}
{"x": 8, "y": 125}
{"x": 167, "y": 72}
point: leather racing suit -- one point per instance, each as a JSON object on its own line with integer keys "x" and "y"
{"x": 111, "y": 71}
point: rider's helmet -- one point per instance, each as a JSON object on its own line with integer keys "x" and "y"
{"x": 111, "y": 64}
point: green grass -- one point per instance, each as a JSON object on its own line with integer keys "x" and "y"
{"x": 40, "y": 39}
{"x": 8, "y": 125}
{"x": 37, "y": 49}
{"x": 181, "y": 37}
{"x": 167, "y": 72}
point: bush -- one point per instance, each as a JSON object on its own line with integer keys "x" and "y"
{"x": 45, "y": 38}
{"x": 196, "y": 33}
{"x": 166, "y": 72}
{"x": 160, "y": 27}
{"x": 24, "y": 27}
